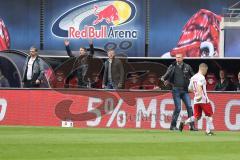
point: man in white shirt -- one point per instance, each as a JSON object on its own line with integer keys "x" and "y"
{"x": 34, "y": 71}
{"x": 201, "y": 101}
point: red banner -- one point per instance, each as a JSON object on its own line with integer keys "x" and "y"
{"x": 98, "y": 108}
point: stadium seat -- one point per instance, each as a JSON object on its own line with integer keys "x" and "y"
{"x": 133, "y": 81}
{"x": 73, "y": 82}
{"x": 151, "y": 82}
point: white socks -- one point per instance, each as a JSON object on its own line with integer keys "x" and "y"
{"x": 209, "y": 125}
{"x": 189, "y": 120}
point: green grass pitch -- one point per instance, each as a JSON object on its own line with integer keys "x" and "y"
{"x": 44, "y": 143}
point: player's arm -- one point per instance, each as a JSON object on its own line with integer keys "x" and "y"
{"x": 199, "y": 92}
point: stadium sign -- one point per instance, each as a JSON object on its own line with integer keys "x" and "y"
{"x": 3, "y": 108}
{"x": 104, "y": 109}
{"x": 97, "y": 20}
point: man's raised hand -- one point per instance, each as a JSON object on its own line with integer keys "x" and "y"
{"x": 66, "y": 42}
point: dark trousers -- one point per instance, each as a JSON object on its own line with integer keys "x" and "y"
{"x": 111, "y": 85}
{"x": 178, "y": 95}
{"x": 81, "y": 76}
{"x": 30, "y": 84}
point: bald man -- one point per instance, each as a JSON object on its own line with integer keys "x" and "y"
{"x": 201, "y": 101}
{"x": 178, "y": 75}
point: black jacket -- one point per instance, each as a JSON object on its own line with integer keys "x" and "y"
{"x": 82, "y": 63}
{"x": 187, "y": 73}
{"x": 117, "y": 70}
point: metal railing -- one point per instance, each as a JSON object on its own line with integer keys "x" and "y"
{"x": 232, "y": 14}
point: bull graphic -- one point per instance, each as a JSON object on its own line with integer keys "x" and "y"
{"x": 109, "y": 14}
{"x": 201, "y": 31}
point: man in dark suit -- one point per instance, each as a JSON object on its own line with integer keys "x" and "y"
{"x": 82, "y": 63}
{"x": 113, "y": 77}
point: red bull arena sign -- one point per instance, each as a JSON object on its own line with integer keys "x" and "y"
{"x": 97, "y": 20}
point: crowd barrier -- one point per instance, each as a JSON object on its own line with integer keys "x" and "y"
{"x": 108, "y": 109}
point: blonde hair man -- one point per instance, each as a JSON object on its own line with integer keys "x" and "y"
{"x": 201, "y": 101}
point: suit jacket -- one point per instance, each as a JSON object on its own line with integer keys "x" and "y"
{"x": 117, "y": 73}
{"x": 37, "y": 70}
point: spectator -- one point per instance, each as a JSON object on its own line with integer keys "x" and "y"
{"x": 113, "y": 77}
{"x": 33, "y": 71}
{"x": 82, "y": 61}
{"x": 133, "y": 82}
{"x": 232, "y": 81}
{"x": 223, "y": 83}
{"x": 151, "y": 82}
{"x": 211, "y": 81}
{"x": 3, "y": 80}
{"x": 179, "y": 74}
{"x": 237, "y": 86}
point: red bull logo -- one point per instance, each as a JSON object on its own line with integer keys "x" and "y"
{"x": 110, "y": 14}
{"x": 107, "y": 16}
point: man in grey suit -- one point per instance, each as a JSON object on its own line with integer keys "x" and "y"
{"x": 34, "y": 70}
{"x": 113, "y": 77}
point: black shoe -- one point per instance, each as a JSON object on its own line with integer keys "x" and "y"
{"x": 193, "y": 129}
{"x": 210, "y": 134}
{"x": 173, "y": 128}
{"x": 181, "y": 126}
